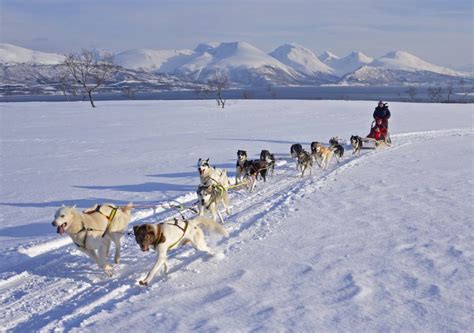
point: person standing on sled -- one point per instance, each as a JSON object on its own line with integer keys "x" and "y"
{"x": 381, "y": 116}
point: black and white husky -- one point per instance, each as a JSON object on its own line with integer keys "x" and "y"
{"x": 337, "y": 148}
{"x": 356, "y": 143}
{"x": 241, "y": 166}
{"x": 269, "y": 158}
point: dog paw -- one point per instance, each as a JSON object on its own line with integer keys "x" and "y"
{"x": 142, "y": 283}
{"x": 108, "y": 269}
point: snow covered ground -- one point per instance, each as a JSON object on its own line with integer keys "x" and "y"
{"x": 381, "y": 242}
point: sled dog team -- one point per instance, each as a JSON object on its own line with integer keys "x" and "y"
{"x": 94, "y": 229}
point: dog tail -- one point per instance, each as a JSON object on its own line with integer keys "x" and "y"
{"x": 210, "y": 225}
{"x": 127, "y": 209}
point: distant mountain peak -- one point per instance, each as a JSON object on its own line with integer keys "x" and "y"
{"x": 12, "y": 54}
{"x": 326, "y": 56}
{"x": 300, "y": 58}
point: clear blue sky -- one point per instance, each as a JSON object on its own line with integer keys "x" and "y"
{"x": 439, "y": 31}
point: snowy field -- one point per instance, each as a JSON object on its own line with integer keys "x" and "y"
{"x": 380, "y": 242}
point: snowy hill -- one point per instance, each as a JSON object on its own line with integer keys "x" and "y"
{"x": 11, "y": 54}
{"x": 379, "y": 242}
{"x": 373, "y": 76}
{"x": 349, "y": 63}
{"x": 163, "y": 61}
{"x": 301, "y": 59}
{"x": 399, "y": 67}
{"x": 404, "y": 61}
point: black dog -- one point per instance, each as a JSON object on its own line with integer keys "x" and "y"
{"x": 269, "y": 158}
{"x": 295, "y": 150}
{"x": 255, "y": 168}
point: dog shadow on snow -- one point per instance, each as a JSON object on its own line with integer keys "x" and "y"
{"x": 194, "y": 174}
{"x": 144, "y": 187}
{"x": 254, "y": 140}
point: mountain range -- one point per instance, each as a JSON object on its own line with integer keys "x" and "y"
{"x": 246, "y": 65}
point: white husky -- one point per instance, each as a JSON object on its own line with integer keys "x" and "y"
{"x": 95, "y": 229}
{"x": 212, "y": 176}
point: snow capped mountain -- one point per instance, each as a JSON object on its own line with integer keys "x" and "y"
{"x": 12, "y": 54}
{"x": 327, "y": 57}
{"x": 349, "y": 63}
{"x": 301, "y": 59}
{"x": 157, "y": 60}
{"x": 401, "y": 60}
{"x": 399, "y": 67}
{"x": 240, "y": 61}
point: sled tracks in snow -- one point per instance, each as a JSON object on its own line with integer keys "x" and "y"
{"x": 54, "y": 287}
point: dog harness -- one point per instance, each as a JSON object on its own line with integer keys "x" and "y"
{"x": 183, "y": 229}
{"x": 109, "y": 217}
{"x": 216, "y": 190}
{"x": 84, "y": 230}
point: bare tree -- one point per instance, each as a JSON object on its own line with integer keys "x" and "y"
{"x": 217, "y": 84}
{"x": 435, "y": 93}
{"x": 90, "y": 70}
{"x": 61, "y": 76}
{"x": 411, "y": 91}
{"x": 449, "y": 91}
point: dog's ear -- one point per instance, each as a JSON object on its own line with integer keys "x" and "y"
{"x": 135, "y": 228}
{"x": 207, "y": 161}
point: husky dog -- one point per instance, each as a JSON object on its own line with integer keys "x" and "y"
{"x": 314, "y": 144}
{"x": 356, "y": 142}
{"x": 321, "y": 154}
{"x": 269, "y": 158}
{"x": 295, "y": 150}
{"x": 334, "y": 141}
{"x": 211, "y": 176}
{"x": 210, "y": 197}
{"x": 94, "y": 229}
{"x": 337, "y": 148}
{"x": 305, "y": 162}
{"x": 240, "y": 166}
{"x": 168, "y": 235}
{"x": 255, "y": 168}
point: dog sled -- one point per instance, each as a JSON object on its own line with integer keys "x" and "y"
{"x": 379, "y": 135}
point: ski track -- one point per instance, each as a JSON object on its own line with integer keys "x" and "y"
{"x": 47, "y": 279}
